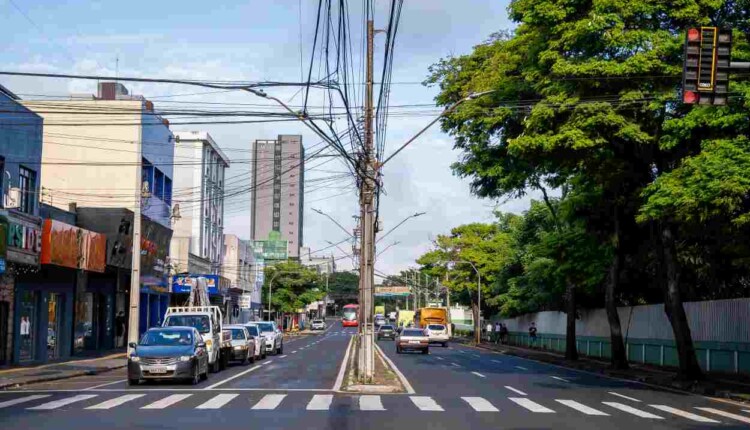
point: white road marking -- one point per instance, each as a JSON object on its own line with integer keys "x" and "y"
{"x": 624, "y": 397}
{"x": 320, "y": 402}
{"x": 515, "y": 390}
{"x": 7, "y": 403}
{"x": 269, "y": 401}
{"x": 521, "y": 368}
{"x": 167, "y": 401}
{"x": 440, "y": 358}
{"x": 370, "y": 403}
{"x": 684, "y": 414}
{"x": 218, "y": 401}
{"x": 532, "y": 406}
{"x": 479, "y": 374}
{"x": 632, "y": 410}
{"x": 282, "y": 356}
{"x": 117, "y": 401}
{"x": 480, "y": 404}
{"x": 425, "y": 403}
{"x": 62, "y": 402}
{"x": 294, "y": 352}
{"x": 404, "y": 381}
{"x": 461, "y": 351}
{"x": 235, "y": 376}
{"x": 475, "y": 355}
{"x": 496, "y": 361}
{"x": 342, "y": 369}
{"x": 104, "y": 385}
{"x": 746, "y": 410}
{"x": 581, "y": 407}
{"x": 455, "y": 364}
{"x": 268, "y": 362}
{"x": 559, "y": 378}
{"x": 726, "y": 414}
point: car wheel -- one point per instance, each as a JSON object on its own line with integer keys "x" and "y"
{"x": 204, "y": 375}
{"x": 281, "y": 349}
{"x": 215, "y": 365}
{"x": 263, "y": 356}
{"x": 223, "y": 361}
{"x": 445, "y": 344}
{"x": 426, "y": 351}
{"x": 134, "y": 381}
{"x": 251, "y": 356}
{"x": 398, "y": 350}
{"x": 246, "y": 359}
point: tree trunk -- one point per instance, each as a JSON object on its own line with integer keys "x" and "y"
{"x": 689, "y": 367}
{"x": 571, "y": 352}
{"x": 619, "y": 359}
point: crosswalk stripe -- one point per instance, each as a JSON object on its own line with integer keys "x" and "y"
{"x": 515, "y": 390}
{"x": 167, "y": 401}
{"x": 581, "y": 407}
{"x": 726, "y": 414}
{"x": 7, "y": 403}
{"x": 683, "y": 414}
{"x": 218, "y": 401}
{"x": 632, "y": 410}
{"x": 425, "y": 403}
{"x": 480, "y": 404}
{"x": 62, "y": 402}
{"x": 117, "y": 401}
{"x": 320, "y": 402}
{"x": 269, "y": 401}
{"x": 532, "y": 406}
{"x": 370, "y": 403}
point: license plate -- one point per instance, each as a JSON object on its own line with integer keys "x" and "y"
{"x": 414, "y": 341}
{"x": 158, "y": 370}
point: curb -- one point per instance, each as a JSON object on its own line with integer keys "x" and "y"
{"x": 72, "y": 374}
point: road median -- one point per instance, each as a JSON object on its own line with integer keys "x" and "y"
{"x": 387, "y": 379}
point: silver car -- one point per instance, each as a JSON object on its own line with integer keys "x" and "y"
{"x": 274, "y": 340}
{"x": 243, "y": 345}
{"x": 260, "y": 347}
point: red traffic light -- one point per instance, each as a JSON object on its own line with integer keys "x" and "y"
{"x": 690, "y": 97}
{"x": 693, "y": 35}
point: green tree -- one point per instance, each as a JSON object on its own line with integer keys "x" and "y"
{"x": 343, "y": 288}
{"x": 292, "y": 285}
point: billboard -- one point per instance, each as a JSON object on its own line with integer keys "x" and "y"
{"x": 69, "y": 246}
{"x": 273, "y": 248}
{"x": 391, "y": 291}
{"x": 185, "y": 283}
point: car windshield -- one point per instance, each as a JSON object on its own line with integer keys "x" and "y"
{"x": 167, "y": 338}
{"x": 412, "y": 333}
{"x": 318, "y": 322}
{"x": 201, "y": 322}
{"x": 386, "y": 327}
{"x": 238, "y": 334}
{"x": 265, "y": 327}
{"x": 436, "y": 327}
{"x": 253, "y": 330}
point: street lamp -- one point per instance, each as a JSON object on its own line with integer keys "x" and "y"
{"x": 477, "y": 326}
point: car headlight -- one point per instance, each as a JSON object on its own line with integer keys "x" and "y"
{"x": 185, "y": 358}
{"x": 135, "y": 358}
{"x": 239, "y": 347}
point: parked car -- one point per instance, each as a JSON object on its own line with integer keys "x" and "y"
{"x": 438, "y": 333}
{"x": 260, "y": 347}
{"x": 207, "y": 320}
{"x": 243, "y": 345}
{"x": 318, "y": 325}
{"x": 274, "y": 340}
{"x": 413, "y": 339}
{"x": 168, "y": 353}
{"x": 386, "y": 331}
{"x": 379, "y": 320}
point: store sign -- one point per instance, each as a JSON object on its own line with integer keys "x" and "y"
{"x": 69, "y": 246}
{"x": 25, "y": 238}
{"x": 260, "y": 273}
{"x": 246, "y": 301}
{"x": 184, "y": 284}
{"x": 274, "y": 248}
{"x": 387, "y": 291}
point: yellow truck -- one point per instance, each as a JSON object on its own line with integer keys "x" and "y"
{"x": 403, "y": 318}
{"x": 426, "y": 316}
{"x": 380, "y": 310}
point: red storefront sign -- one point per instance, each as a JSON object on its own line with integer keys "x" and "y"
{"x": 70, "y": 246}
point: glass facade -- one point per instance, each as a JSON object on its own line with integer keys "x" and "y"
{"x": 28, "y": 321}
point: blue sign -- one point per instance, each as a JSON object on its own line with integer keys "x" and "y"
{"x": 185, "y": 283}
{"x": 2, "y": 265}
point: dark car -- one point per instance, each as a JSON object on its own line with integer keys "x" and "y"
{"x": 387, "y": 332}
{"x": 168, "y": 353}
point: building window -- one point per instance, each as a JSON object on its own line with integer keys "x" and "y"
{"x": 147, "y": 174}
{"x": 27, "y": 184}
{"x": 167, "y": 191}
{"x": 159, "y": 184}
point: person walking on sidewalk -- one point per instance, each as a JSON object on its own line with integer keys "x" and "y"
{"x": 532, "y": 334}
{"x": 503, "y": 333}
{"x": 496, "y": 333}
{"x": 488, "y": 331}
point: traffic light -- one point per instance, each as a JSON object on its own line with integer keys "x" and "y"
{"x": 706, "y": 61}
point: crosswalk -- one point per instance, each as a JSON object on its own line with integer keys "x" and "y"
{"x": 367, "y": 403}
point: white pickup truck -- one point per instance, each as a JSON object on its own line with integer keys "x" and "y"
{"x": 207, "y": 319}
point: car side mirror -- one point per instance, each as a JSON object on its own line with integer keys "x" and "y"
{"x": 132, "y": 345}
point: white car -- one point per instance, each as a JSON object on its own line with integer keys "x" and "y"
{"x": 318, "y": 325}
{"x": 260, "y": 350}
{"x": 437, "y": 333}
{"x": 274, "y": 340}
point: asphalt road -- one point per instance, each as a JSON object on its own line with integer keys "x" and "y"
{"x": 455, "y": 388}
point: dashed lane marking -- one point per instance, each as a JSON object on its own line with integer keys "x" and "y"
{"x": 515, "y": 390}
{"x": 479, "y": 374}
{"x": 632, "y": 410}
{"x": 559, "y": 378}
{"x": 282, "y": 356}
{"x": 624, "y": 397}
{"x": 521, "y": 368}
{"x": 496, "y": 361}
{"x": 455, "y": 364}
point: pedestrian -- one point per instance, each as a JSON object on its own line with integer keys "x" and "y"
{"x": 496, "y": 332}
{"x": 532, "y": 334}
{"x": 503, "y": 333}
{"x": 120, "y": 329}
{"x": 488, "y": 331}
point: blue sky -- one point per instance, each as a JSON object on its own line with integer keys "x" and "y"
{"x": 260, "y": 40}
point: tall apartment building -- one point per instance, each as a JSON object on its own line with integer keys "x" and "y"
{"x": 278, "y": 189}
{"x": 199, "y": 173}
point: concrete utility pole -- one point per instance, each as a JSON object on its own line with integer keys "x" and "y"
{"x": 366, "y": 199}
{"x": 135, "y": 263}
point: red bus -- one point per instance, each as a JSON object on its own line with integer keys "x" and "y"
{"x": 351, "y": 314}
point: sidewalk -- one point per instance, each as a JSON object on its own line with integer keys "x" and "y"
{"x": 737, "y": 388}
{"x": 19, "y": 376}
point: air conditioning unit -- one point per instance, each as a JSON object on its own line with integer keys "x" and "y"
{"x": 13, "y": 198}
